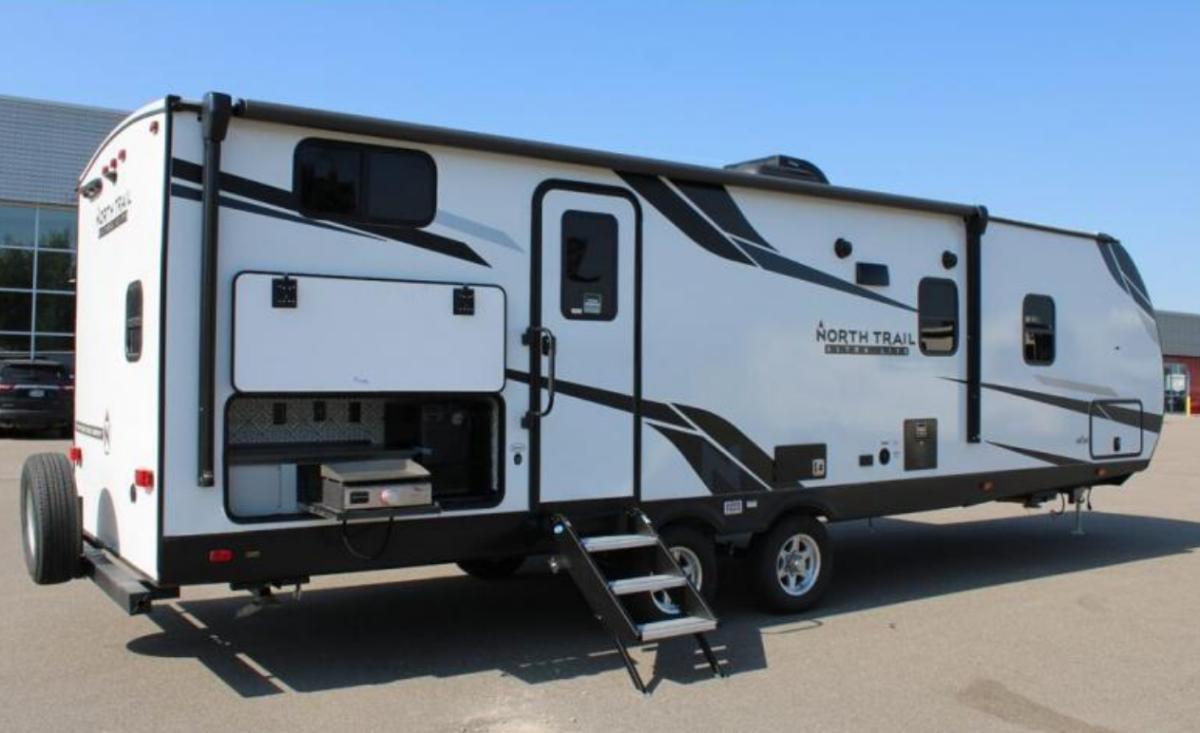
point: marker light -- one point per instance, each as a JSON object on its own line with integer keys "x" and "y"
{"x": 220, "y": 556}
{"x": 143, "y": 478}
{"x": 75, "y": 455}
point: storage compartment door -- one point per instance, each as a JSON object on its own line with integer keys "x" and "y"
{"x": 1116, "y": 428}
{"x": 308, "y": 333}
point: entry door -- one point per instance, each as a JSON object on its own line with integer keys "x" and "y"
{"x": 585, "y": 437}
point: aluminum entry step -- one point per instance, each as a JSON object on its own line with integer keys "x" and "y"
{"x": 675, "y": 627}
{"x": 606, "y": 543}
{"x": 646, "y": 584}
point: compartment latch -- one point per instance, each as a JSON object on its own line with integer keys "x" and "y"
{"x": 285, "y": 292}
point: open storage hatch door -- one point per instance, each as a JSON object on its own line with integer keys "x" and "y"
{"x": 310, "y": 334}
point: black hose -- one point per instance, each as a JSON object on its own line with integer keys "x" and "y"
{"x": 387, "y": 538}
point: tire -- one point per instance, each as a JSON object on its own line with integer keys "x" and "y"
{"x": 51, "y": 529}
{"x": 696, "y": 555}
{"x": 497, "y": 569}
{"x": 803, "y": 542}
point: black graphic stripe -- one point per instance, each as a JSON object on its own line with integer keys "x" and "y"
{"x": 1110, "y": 261}
{"x": 1051, "y": 458}
{"x": 718, "y": 205}
{"x": 615, "y": 400}
{"x": 684, "y": 217}
{"x": 187, "y": 192}
{"x": 783, "y": 266}
{"x": 284, "y": 199}
{"x": 720, "y": 474}
{"x": 1147, "y": 421}
{"x": 734, "y": 441}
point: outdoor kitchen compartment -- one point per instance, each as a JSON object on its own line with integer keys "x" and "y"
{"x": 285, "y": 453}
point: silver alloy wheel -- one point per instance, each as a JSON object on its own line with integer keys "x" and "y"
{"x": 798, "y": 564}
{"x": 30, "y": 533}
{"x": 689, "y": 563}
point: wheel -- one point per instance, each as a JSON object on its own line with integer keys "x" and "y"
{"x": 791, "y": 564}
{"x": 491, "y": 569}
{"x": 696, "y": 556}
{"x": 51, "y": 529}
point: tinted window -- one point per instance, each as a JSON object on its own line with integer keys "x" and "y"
{"x": 365, "y": 183}
{"x": 937, "y": 305}
{"x": 1038, "y": 329}
{"x": 55, "y": 313}
{"x": 16, "y": 310}
{"x": 33, "y": 373}
{"x": 133, "y": 321}
{"x": 589, "y": 266}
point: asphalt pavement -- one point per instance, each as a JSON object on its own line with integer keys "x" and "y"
{"x": 993, "y": 618}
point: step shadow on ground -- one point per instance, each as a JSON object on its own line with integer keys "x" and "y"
{"x": 536, "y": 628}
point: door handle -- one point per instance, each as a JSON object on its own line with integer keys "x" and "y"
{"x": 547, "y": 345}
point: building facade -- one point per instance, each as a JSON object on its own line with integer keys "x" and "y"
{"x": 1180, "y": 334}
{"x": 43, "y": 148}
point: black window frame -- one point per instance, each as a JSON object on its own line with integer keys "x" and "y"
{"x": 360, "y": 215}
{"x": 610, "y": 311}
{"x": 134, "y": 331}
{"x": 921, "y": 317}
{"x": 1052, "y": 329}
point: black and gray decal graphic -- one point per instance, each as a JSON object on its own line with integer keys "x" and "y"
{"x": 734, "y": 441}
{"x": 1051, "y": 458}
{"x": 715, "y": 469}
{"x": 283, "y": 199}
{"x": 1124, "y": 272}
{"x": 1147, "y": 421}
{"x": 712, "y": 446}
{"x": 718, "y": 205}
{"x": 733, "y": 238}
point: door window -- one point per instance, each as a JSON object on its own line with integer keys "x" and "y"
{"x": 589, "y": 266}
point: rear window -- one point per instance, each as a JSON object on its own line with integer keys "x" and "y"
{"x": 34, "y": 373}
{"x": 366, "y": 184}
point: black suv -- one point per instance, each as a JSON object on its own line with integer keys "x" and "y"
{"x": 35, "y": 395}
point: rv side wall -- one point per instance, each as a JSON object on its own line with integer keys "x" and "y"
{"x": 117, "y": 341}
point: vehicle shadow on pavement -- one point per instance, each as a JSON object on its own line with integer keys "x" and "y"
{"x": 536, "y": 628}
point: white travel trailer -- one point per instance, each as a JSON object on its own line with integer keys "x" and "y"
{"x": 317, "y": 343}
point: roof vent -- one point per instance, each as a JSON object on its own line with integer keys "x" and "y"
{"x": 783, "y": 166}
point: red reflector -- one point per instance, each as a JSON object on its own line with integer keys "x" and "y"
{"x": 220, "y": 556}
{"x": 143, "y": 478}
{"x": 75, "y": 454}
{"x": 121, "y": 155}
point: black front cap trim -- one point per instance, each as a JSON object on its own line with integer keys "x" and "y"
{"x": 284, "y": 199}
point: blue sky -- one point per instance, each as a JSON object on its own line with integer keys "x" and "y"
{"x": 1085, "y": 115}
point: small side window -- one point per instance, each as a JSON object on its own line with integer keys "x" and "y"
{"x": 589, "y": 266}
{"x": 365, "y": 183}
{"x": 937, "y": 316}
{"x": 1037, "y": 320}
{"x": 133, "y": 321}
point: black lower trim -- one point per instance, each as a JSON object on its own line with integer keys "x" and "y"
{"x": 262, "y": 555}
